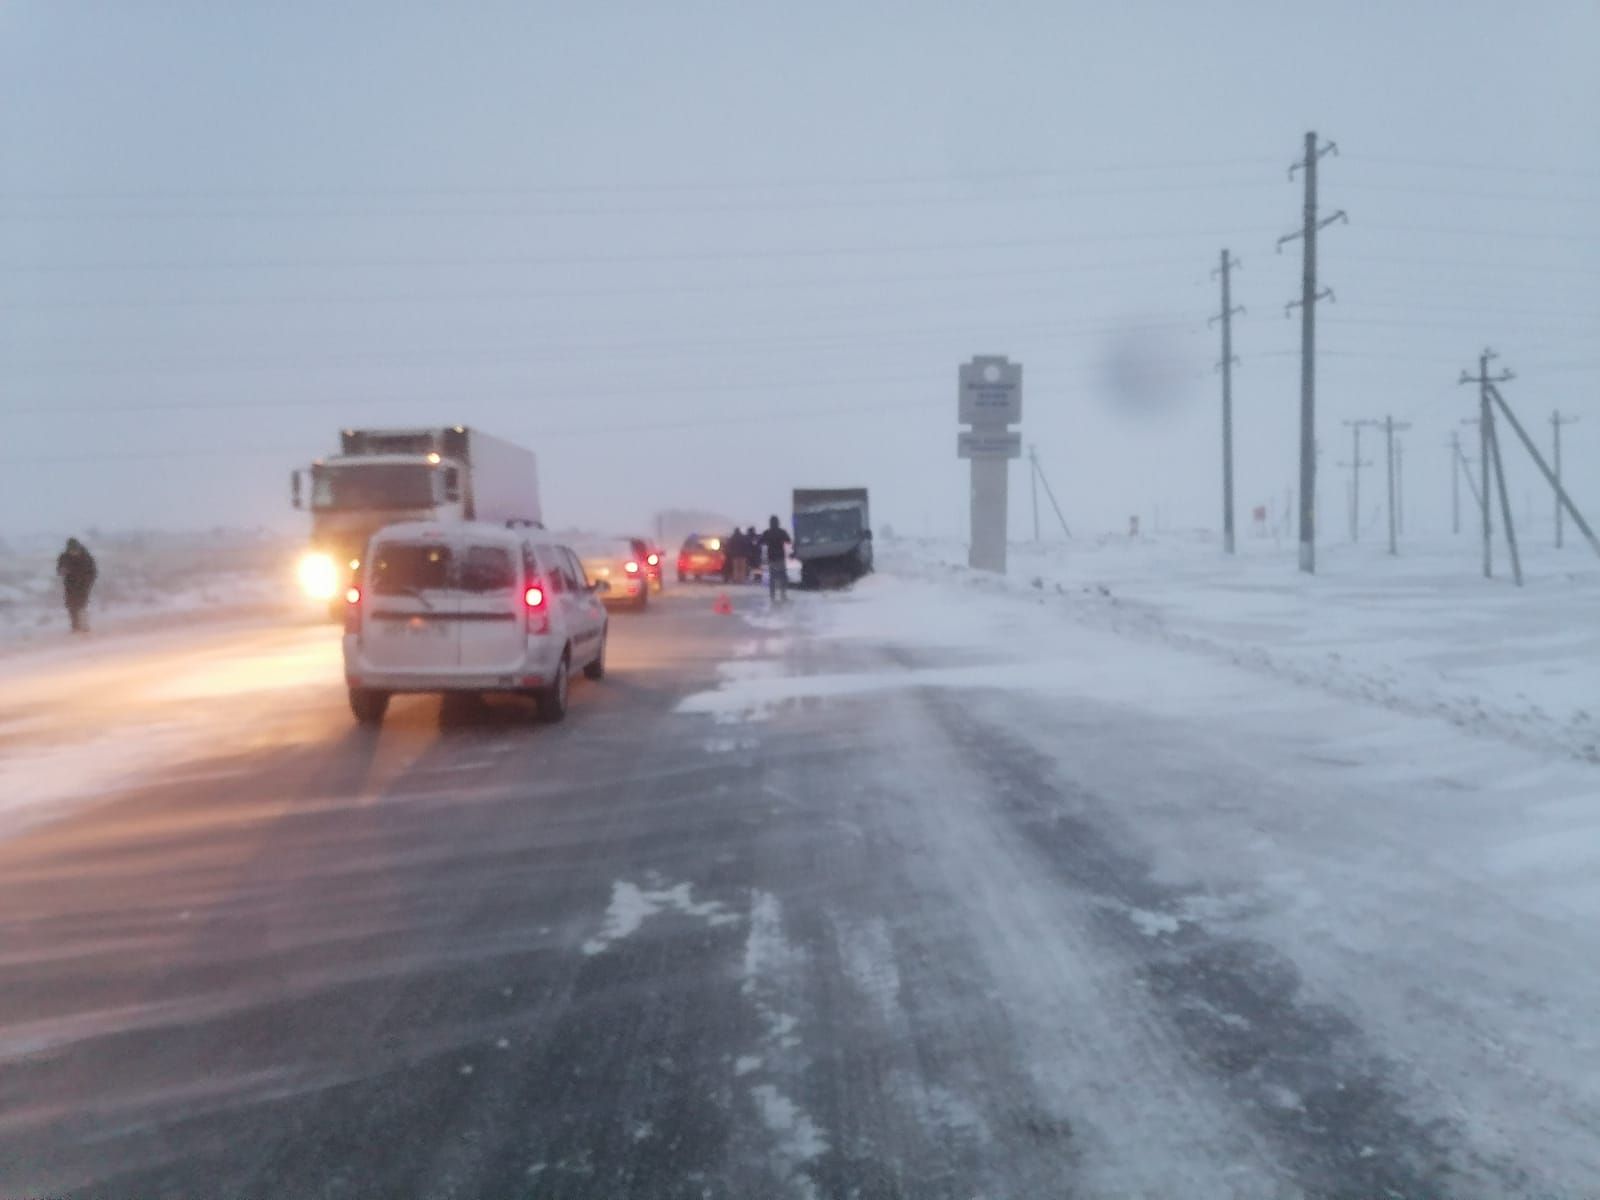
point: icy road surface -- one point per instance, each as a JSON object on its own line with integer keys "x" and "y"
{"x": 927, "y": 890}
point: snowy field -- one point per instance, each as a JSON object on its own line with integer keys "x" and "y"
{"x": 1422, "y": 633}
{"x": 144, "y": 578}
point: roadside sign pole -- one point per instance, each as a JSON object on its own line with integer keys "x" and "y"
{"x": 989, "y": 399}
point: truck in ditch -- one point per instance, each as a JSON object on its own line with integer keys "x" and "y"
{"x": 832, "y": 536}
{"x": 385, "y": 476}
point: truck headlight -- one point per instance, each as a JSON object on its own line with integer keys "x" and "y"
{"x": 319, "y": 576}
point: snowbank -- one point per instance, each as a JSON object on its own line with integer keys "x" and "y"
{"x": 1423, "y": 633}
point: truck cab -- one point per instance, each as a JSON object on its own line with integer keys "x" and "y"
{"x": 387, "y": 476}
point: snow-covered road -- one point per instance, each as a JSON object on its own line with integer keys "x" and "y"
{"x": 930, "y": 889}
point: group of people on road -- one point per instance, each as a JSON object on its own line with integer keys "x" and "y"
{"x": 743, "y": 551}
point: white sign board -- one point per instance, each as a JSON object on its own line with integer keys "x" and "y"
{"x": 990, "y": 391}
{"x": 989, "y": 443}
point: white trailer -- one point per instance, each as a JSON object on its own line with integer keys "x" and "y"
{"x": 384, "y": 476}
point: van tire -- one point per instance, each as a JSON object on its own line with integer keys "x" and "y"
{"x": 553, "y": 698}
{"x": 368, "y": 705}
{"x": 596, "y": 669}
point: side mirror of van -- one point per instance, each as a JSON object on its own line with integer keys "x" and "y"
{"x": 600, "y": 585}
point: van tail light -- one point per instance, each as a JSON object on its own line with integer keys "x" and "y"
{"x": 631, "y": 567}
{"x": 352, "y": 610}
{"x": 536, "y": 607}
{"x": 654, "y": 560}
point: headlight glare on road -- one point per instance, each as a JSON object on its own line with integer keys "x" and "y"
{"x": 319, "y": 577}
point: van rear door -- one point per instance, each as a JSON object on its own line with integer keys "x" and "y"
{"x": 410, "y": 613}
{"x": 491, "y": 611}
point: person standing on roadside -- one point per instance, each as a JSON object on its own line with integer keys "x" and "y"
{"x": 734, "y": 557}
{"x": 776, "y": 543}
{"x": 752, "y": 550}
{"x": 77, "y": 572}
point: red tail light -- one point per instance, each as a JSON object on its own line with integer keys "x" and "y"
{"x": 654, "y": 560}
{"x": 534, "y": 596}
{"x": 631, "y": 567}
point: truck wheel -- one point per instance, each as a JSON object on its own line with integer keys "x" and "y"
{"x": 596, "y": 670}
{"x": 553, "y": 699}
{"x": 368, "y": 705}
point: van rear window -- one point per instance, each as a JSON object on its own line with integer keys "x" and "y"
{"x": 403, "y": 567}
{"x": 486, "y": 569}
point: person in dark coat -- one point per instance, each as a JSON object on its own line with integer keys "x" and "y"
{"x": 732, "y": 556}
{"x": 752, "y": 552}
{"x": 776, "y": 542}
{"x": 75, "y": 567}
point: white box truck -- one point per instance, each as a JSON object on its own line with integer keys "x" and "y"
{"x": 384, "y": 476}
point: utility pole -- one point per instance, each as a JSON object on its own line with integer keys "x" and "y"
{"x": 1355, "y": 464}
{"x": 1309, "y": 295}
{"x": 1549, "y": 475}
{"x": 1556, "y": 422}
{"x": 1033, "y": 475}
{"x": 1485, "y": 423}
{"x": 1225, "y": 318}
{"x": 1400, "y": 485}
{"x": 1038, "y": 477}
{"x": 1390, "y": 425}
{"x": 1455, "y": 482}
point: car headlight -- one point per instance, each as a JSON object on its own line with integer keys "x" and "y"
{"x": 319, "y": 575}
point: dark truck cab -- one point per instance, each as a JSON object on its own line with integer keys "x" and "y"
{"x": 832, "y": 536}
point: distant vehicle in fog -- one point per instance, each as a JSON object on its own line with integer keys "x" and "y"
{"x": 701, "y": 558}
{"x": 385, "y": 476}
{"x": 832, "y": 535}
{"x": 619, "y": 573}
{"x": 469, "y": 607}
{"x": 654, "y": 561}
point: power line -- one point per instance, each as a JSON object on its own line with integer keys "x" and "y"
{"x": 512, "y": 260}
{"x": 1485, "y": 168}
{"x": 697, "y": 187}
{"x": 517, "y": 354}
{"x": 676, "y": 288}
{"x": 57, "y": 214}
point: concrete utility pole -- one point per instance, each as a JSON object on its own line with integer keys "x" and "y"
{"x": 1309, "y": 295}
{"x": 1225, "y": 318}
{"x": 1455, "y": 482}
{"x": 1544, "y": 469}
{"x": 1556, "y": 422}
{"x": 1400, "y": 485}
{"x": 1485, "y": 423}
{"x": 1390, "y": 425}
{"x": 1355, "y": 464}
{"x": 1033, "y": 462}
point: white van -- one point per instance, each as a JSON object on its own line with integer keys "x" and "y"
{"x": 469, "y": 607}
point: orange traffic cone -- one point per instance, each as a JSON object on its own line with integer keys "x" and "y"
{"x": 722, "y": 605}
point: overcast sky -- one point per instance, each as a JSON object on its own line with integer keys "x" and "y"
{"x": 698, "y": 254}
